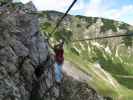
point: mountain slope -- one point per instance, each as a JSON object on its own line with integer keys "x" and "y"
{"x": 88, "y": 27}
{"x": 105, "y": 60}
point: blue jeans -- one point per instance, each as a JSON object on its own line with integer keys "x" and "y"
{"x": 58, "y": 72}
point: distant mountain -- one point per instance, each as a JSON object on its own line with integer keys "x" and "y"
{"x": 82, "y": 27}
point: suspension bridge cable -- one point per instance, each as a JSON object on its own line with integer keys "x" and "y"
{"x": 104, "y": 37}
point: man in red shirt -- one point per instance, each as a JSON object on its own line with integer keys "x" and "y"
{"x": 59, "y": 59}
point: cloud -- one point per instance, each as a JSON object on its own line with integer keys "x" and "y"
{"x": 24, "y": 1}
{"x": 95, "y": 8}
{"x": 121, "y": 12}
{"x": 104, "y": 8}
{"x": 58, "y": 5}
{"x": 78, "y": 6}
{"x": 131, "y": 23}
{"x": 100, "y": 8}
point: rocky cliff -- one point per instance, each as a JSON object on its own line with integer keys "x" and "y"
{"x": 26, "y": 69}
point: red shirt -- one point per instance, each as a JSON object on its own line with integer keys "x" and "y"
{"x": 59, "y": 55}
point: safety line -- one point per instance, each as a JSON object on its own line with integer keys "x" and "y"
{"x": 104, "y": 37}
{"x": 59, "y": 22}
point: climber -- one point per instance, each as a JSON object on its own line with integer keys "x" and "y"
{"x": 59, "y": 59}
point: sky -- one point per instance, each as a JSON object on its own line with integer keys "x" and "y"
{"x": 121, "y": 10}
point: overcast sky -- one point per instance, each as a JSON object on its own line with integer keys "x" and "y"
{"x": 121, "y": 10}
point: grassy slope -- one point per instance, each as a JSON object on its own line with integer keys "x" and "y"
{"x": 99, "y": 80}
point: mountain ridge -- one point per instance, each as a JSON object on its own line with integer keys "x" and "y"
{"x": 86, "y": 27}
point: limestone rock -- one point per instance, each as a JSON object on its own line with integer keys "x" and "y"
{"x": 22, "y": 51}
{"x": 73, "y": 89}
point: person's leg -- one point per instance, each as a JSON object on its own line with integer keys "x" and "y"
{"x": 58, "y": 72}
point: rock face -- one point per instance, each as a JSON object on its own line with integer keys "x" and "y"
{"x": 26, "y": 69}
{"x": 73, "y": 89}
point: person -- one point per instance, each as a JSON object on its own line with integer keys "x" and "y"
{"x": 59, "y": 59}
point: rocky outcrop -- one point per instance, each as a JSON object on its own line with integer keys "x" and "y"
{"x": 73, "y": 89}
{"x": 26, "y": 69}
{"x": 75, "y": 84}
